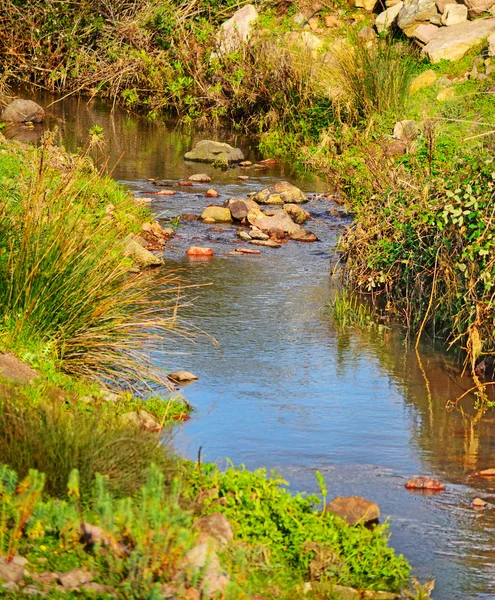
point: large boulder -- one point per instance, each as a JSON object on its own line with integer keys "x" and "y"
{"x": 279, "y": 221}
{"x": 236, "y": 31}
{"x": 354, "y": 509}
{"x": 415, "y": 12}
{"x": 282, "y": 192}
{"x": 296, "y": 213}
{"x": 477, "y": 7}
{"x": 454, "y": 14}
{"x": 388, "y": 17}
{"x": 23, "y": 111}
{"x": 212, "y": 152}
{"x": 452, "y": 43}
{"x": 219, "y": 214}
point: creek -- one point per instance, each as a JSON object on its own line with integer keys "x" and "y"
{"x": 284, "y": 388}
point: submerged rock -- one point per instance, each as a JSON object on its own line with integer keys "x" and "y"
{"x": 304, "y": 236}
{"x": 281, "y": 192}
{"x": 354, "y": 509}
{"x": 212, "y": 152}
{"x": 424, "y": 483}
{"x": 23, "y": 111}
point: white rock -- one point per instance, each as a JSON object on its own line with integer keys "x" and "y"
{"x": 452, "y": 43}
{"x": 454, "y": 14}
{"x": 236, "y": 31}
{"x": 387, "y": 18}
{"x": 491, "y": 45}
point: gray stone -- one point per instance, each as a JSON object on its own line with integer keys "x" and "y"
{"x": 244, "y": 235}
{"x": 415, "y": 12}
{"x": 257, "y": 234}
{"x": 303, "y": 236}
{"x": 452, "y": 43}
{"x": 182, "y": 376}
{"x": 354, "y": 509}
{"x": 454, "y": 14}
{"x": 203, "y": 559}
{"x": 211, "y": 152}
{"x": 280, "y": 193}
{"x": 266, "y": 243}
{"x": 239, "y": 209}
{"x": 23, "y": 111}
{"x": 491, "y": 45}
{"x": 10, "y": 572}
{"x": 405, "y": 130}
{"x": 478, "y": 7}
{"x": 140, "y": 256}
{"x": 217, "y": 526}
{"x": 200, "y": 178}
{"x": 388, "y": 17}
{"x": 75, "y": 578}
{"x": 281, "y": 221}
{"x": 236, "y": 31}
{"x": 425, "y": 33}
{"x": 296, "y": 213}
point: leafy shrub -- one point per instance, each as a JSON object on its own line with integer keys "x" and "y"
{"x": 290, "y": 532}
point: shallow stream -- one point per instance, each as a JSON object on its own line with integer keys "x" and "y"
{"x": 284, "y": 388}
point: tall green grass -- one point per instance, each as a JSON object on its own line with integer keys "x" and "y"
{"x": 374, "y": 78}
{"x": 54, "y": 439}
{"x": 66, "y": 289}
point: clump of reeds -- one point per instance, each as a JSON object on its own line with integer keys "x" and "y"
{"x": 374, "y": 77}
{"x": 66, "y": 288}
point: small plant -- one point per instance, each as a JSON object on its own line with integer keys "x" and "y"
{"x": 349, "y": 311}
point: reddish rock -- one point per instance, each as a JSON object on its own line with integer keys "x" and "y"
{"x": 424, "y": 483}
{"x": 199, "y": 251}
{"x": 163, "y": 193}
{"x": 212, "y": 194}
{"x": 246, "y": 251}
{"x": 487, "y": 473}
{"x": 268, "y": 161}
{"x": 185, "y": 183}
{"x": 246, "y": 163}
{"x": 187, "y": 217}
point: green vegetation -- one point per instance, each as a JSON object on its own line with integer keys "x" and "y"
{"x": 67, "y": 291}
{"x": 137, "y": 544}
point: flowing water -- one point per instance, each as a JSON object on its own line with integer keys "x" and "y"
{"x": 285, "y": 389}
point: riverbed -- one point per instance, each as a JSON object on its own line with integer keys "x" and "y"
{"x": 282, "y": 386}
